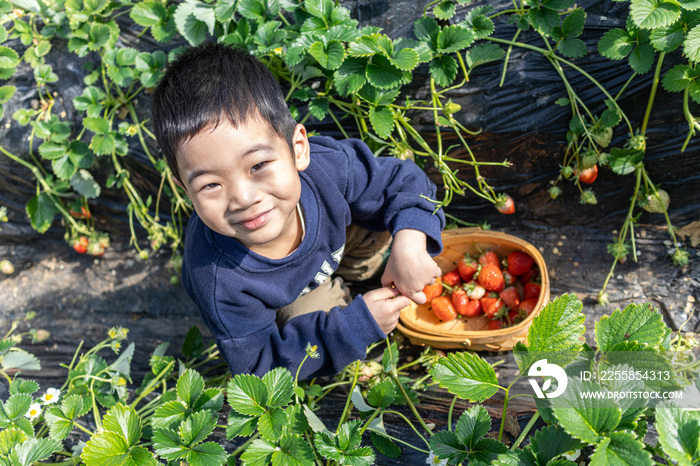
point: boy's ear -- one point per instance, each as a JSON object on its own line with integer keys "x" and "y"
{"x": 302, "y": 151}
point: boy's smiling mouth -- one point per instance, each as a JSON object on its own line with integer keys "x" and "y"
{"x": 255, "y": 222}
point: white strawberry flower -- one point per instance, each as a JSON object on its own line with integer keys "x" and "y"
{"x": 433, "y": 460}
{"x": 51, "y": 396}
{"x": 34, "y": 411}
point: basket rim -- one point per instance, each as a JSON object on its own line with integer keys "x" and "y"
{"x": 477, "y": 235}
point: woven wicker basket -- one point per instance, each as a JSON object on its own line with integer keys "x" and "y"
{"x": 422, "y": 327}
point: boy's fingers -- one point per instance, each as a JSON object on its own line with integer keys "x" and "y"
{"x": 383, "y": 293}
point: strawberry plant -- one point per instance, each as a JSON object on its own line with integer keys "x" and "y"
{"x": 172, "y": 415}
{"x": 331, "y": 70}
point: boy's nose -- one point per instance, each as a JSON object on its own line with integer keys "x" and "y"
{"x": 243, "y": 196}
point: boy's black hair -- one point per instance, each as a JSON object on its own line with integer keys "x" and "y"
{"x": 209, "y": 82}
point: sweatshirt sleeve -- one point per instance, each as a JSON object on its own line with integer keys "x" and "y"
{"x": 391, "y": 194}
{"x": 340, "y": 336}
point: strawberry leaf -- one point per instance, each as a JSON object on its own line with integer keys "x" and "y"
{"x": 84, "y": 184}
{"x": 41, "y": 212}
{"x": 616, "y": 44}
{"x": 679, "y": 432}
{"x": 168, "y": 414}
{"x": 148, "y": 13}
{"x": 351, "y": 76}
{"x": 382, "y": 120}
{"x": 123, "y": 421}
{"x": 189, "y": 386}
{"x": 404, "y": 59}
{"x": 631, "y": 407}
{"x": 33, "y": 450}
{"x": 385, "y": 445}
{"x": 382, "y": 395}
{"x": 624, "y": 161}
{"x": 61, "y": 419}
{"x": 551, "y": 442}
{"x": 445, "y": 444}
{"x": 691, "y": 46}
{"x": 472, "y": 425}
{"x": 483, "y": 53}
{"x": 197, "y": 427}
{"x": 446, "y": 9}
{"x": 556, "y": 333}
{"x": 651, "y": 14}
{"x": 14, "y": 409}
{"x": 279, "y": 386}
{"x": 621, "y": 448}
{"x": 572, "y": 48}
{"x": 247, "y": 394}
{"x": 382, "y": 74}
{"x": 52, "y": 150}
{"x": 453, "y": 39}
{"x": 640, "y": 323}
{"x": 646, "y": 360}
{"x": 676, "y": 79}
{"x": 240, "y": 425}
{"x": 329, "y": 56}
{"x": 466, "y": 375}
{"x": 9, "y": 437}
{"x": 292, "y": 449}
{"x": 207, "y": 454}
{"x": 667, "y": 39}
{"x": 259, "y": 452}
{"x": 272, "y": 424}
{"x": 642, "y": 58}
{"x": 426, "y": 30}
{"x": 586, "y": 418}
{"x": 477, "y": 21}
{"x": 443, "y": 69}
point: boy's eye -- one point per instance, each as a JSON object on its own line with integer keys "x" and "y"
{"x": 257, "y": 167}
{"x": 210, "y": 186}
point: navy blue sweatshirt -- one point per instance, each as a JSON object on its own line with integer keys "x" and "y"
{"x": 237, "y": 291}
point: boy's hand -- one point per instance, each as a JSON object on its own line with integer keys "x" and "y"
{"x": 410, "y": 267}
{"x": 384, "y": 304}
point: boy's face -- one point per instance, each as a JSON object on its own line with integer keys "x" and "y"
{"x": 244, "y": 183}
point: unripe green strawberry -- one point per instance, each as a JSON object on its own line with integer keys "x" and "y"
{"x": 554, "y": 192}
{"x": 657, "y": 205}
{"x": 588, "y": 197}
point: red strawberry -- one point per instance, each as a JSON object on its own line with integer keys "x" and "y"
{"x": 491, "y": 278}
{"x": 495, "y": 324}
{"x": 443, "y": 308}
{"x": 519, "y": 262}
{"x": 489, "y": 257}
{"x": 464, "y": 306}
{"x": 432, "y": 291}
{"x": 473, "y": 308}
{"x": 491, "y": 306}
{"x": 514, "y": 317}
{"x": 474, "y": 290}
{"x": 467, "y": 267}
{"x": 505, "y": 204}
{"x": 588, "y": 175}
{"x": 511, "y": 297}
{"x": 452, "y": 278}
{"x": 81, "y": 245}
{"x": 532, "y": 290}
{"x": 527, "y": 306}
{"x": 531, "y": 275}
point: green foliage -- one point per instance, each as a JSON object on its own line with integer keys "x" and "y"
{"x": 172, "y": 417}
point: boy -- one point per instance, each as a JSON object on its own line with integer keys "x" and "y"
{"x": 271, "y": 211}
